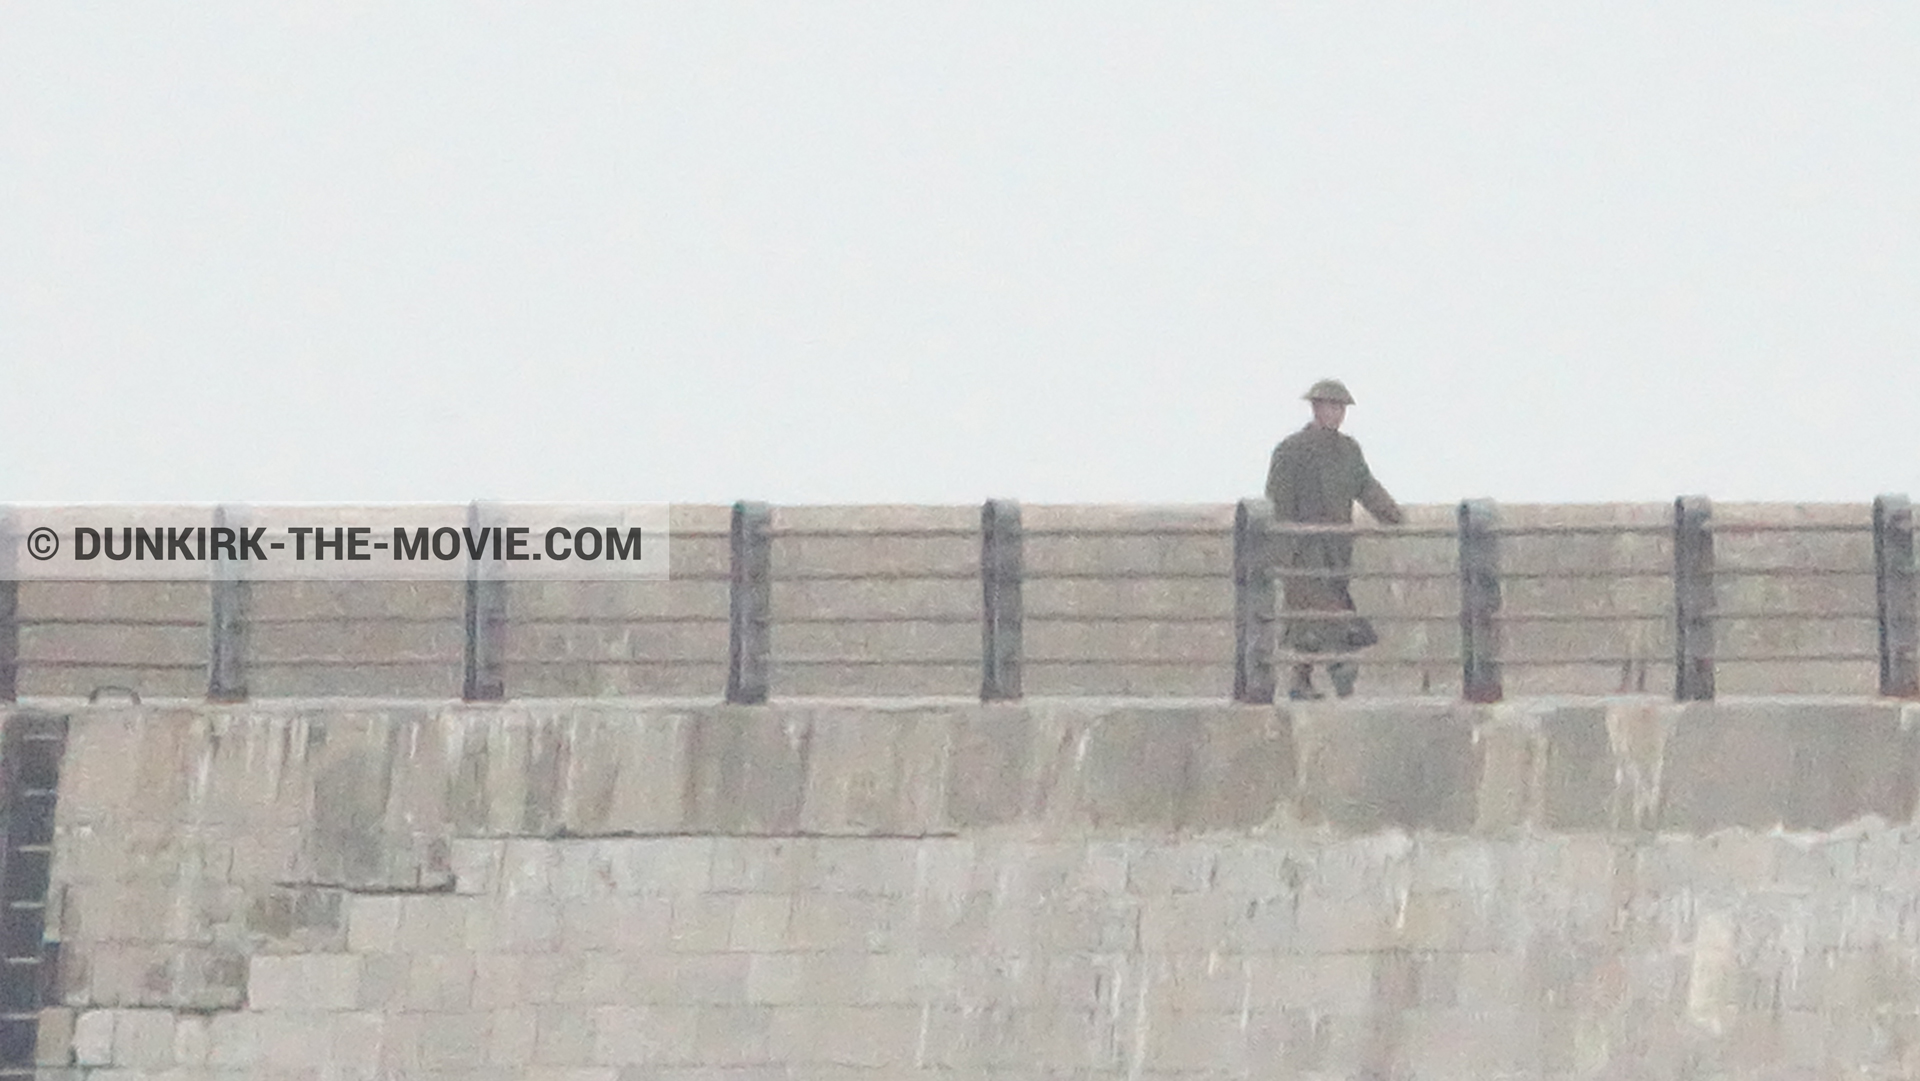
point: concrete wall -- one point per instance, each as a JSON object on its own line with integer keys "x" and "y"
{"x": 1181, "y": 891}
{"x": 1145, "y": 614}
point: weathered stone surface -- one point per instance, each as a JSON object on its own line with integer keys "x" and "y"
{"x": 1176, "y": 891}
{"x": 876, "y": 772}
{"x": 373, "y": 825}
{"x": 1509, "y": 746}
{"x": 1763, "y": 764}
{"x": 1181, "y": 768}
{"x": 1579, "y": 775}
{"x": 1133, "y": 768}
{"x": 747, "y": 770}
{"x": 989, "y": 779}
{"x": 1368, "y": 768}
{"x": 614, "y": 767}
{"x": 1244, "y": 768}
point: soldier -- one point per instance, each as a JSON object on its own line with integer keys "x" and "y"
{"x": 1315, "y": 476}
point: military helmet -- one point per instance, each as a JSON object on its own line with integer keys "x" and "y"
{"x": 1329, "y": 390}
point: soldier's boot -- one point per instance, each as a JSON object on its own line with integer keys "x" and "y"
{"x": 1303, "y": 689}
{"x": 1344, "y": 674}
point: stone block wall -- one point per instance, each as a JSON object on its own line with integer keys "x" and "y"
{"x": 617, "y": 891}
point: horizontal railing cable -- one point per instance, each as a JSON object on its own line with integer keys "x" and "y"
{"x": 896, "y": 533}
{"x": 94, "y": 621}
{"x": 822, "y": 578}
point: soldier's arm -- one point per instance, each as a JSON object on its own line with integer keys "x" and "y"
{"x": 1281, "y": 473}
{"x": 1375, "y": 498}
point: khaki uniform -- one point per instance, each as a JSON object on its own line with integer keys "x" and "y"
{"x": 1316, "y": 475}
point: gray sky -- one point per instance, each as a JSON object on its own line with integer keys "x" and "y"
{"x": 903, "y": 252}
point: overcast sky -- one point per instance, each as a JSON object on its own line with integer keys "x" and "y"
{"x": 905, "y": 252}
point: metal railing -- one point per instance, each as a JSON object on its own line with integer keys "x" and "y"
{"x": 1693, "y": 618}
{"x": 1224, "y": 619}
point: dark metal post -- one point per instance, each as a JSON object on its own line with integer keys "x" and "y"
{"x": 484, "y": 676}
{"x": 1480, "y": 601}
{"x": 1002, "y": 563}
{"x": 1895, "y": 597}
{"x": 1693, "y": 599}
{"x": 9, "y": 640}
{"x": 227, "y": 629}
{"x": 750, "y": 604}
{"x": 9, "y": 612}
{"x": 1253, "y": 616}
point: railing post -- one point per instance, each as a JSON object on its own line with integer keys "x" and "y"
{"x": 1253, "y": 614}
{"x": 227, "y": 626}
{"x": 1895, "y": 599}
{"x": 9, "y": 610}
{"x": 750, "y": 603}
{"x": 9, "y": 640}
{"x": 1002, "y": 563}
{"x": 484, "y": 678}
{"x": 1693, "y": 599}
{"x": 1480, "y": 601}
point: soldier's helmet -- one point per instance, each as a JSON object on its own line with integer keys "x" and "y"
{"x": 1329, "y": 390}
